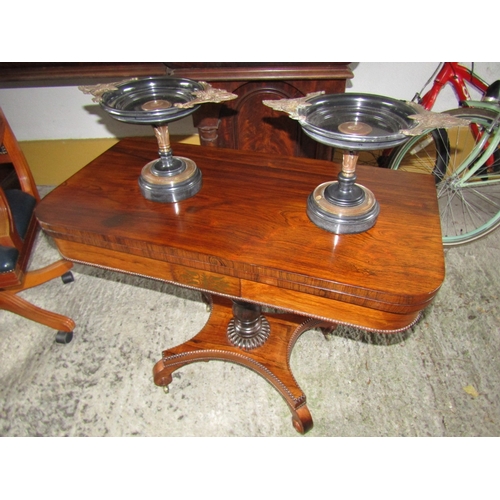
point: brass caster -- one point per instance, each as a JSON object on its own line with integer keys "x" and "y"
{"x": 328, "y": 331}
{"x": 207, "y": 301}
{"x": 166, "y": 390}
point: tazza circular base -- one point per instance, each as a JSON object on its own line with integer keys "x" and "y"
{"x": 342, "y": 219}
{"x": 167, "y": 186}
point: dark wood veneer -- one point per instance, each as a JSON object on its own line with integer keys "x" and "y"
{"x": 249, "y": 222}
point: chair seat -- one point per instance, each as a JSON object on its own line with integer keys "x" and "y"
{"x": 21, "y": 206}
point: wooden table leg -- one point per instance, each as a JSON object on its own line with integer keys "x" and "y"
{"x": 270, "y": 360}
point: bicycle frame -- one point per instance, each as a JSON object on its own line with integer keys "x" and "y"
{"x": 456, "y": 75}
{"x": 480, "y": 154}
{"x": 468, "y": 188}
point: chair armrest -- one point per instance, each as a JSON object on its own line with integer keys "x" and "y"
{"x": 17, "y": 158}
{"x": 8, "y": 234}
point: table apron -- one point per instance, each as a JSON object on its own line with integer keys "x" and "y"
{"x": 335, "y": 311}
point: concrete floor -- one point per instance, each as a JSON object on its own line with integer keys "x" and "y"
{"x": 440, "y": 378}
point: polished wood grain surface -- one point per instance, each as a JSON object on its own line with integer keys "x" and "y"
{"x": 246, "y": 233}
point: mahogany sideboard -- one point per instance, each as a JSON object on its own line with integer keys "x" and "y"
{"x": 245, "y": 123}
{"x": 245, "y": 241}
{"x": 240, "y": 124}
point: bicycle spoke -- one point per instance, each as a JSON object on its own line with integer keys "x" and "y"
{"x": 471, "y": 212}
{"x": 489, "y": 201}
{"x": 468, "y": 210}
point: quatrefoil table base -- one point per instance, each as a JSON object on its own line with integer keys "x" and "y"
{"x": 271, "y": 360}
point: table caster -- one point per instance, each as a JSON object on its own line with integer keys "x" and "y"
{"x": 64, "y": 337}
{"x": 328, "y": 330}
{"x": 302, "y": 420}
{"x": 67, "y": 278}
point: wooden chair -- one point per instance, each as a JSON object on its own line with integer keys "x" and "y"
{"x": 18, "y": 229}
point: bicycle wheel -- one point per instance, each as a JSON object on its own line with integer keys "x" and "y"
{"x": 471, "y": 209}
{"x": 427, "y": 154}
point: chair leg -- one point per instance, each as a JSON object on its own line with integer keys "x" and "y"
{"x": 43, "y": 275}
{"x": 18, "y": 305}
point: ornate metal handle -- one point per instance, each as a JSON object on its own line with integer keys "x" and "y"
{"x": 292, "y": 106}
{"x": 101, "y": 88}
{"x": 427, "y": 120}
{"x": 208, "y": 94}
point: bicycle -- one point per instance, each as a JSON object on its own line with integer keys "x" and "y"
{"x": 447, "y": 73}
{"x": 465, "y": 161}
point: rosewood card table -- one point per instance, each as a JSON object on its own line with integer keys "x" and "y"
{"x": 245, "y": 242}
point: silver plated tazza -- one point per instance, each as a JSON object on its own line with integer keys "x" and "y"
{"x": 357, "y": 121}
{"x": 151, "y": 100}
{"x": 158, "y": 101}
{"x": 352, "y": 122}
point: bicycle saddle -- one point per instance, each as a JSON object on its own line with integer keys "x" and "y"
{"x": 493, "y": 92}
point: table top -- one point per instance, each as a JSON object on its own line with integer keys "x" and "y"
{"x": 248, "y": 226}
